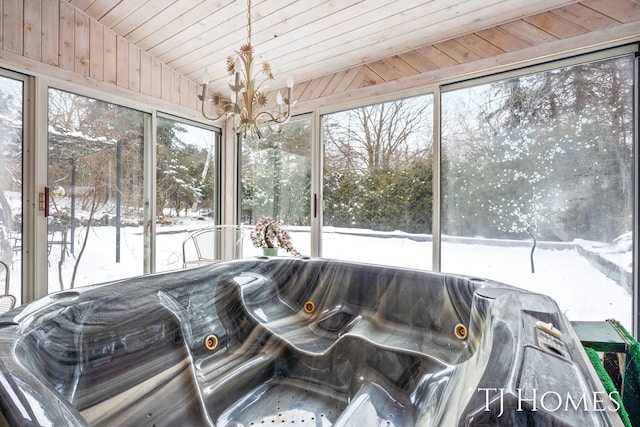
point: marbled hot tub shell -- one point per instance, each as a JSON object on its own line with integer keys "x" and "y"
{"x": 307, "y": 342}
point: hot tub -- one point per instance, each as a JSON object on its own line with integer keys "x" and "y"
{"x": 290, "y": 341}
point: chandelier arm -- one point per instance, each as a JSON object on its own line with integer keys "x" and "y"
{"x": 204, "y": 100}
{"x": 276, "y": 129}
{"x": 273, "y": 118}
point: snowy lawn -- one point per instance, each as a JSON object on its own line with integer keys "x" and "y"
{"x": 581, "y": 291}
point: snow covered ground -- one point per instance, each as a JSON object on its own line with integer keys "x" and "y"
{"x": 581, "y": 291}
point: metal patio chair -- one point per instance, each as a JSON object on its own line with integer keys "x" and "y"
{"x": 212, "y": 244}
{"x": 7, "y": 301}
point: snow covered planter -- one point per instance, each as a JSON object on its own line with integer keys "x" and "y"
{"x": 271, "y": 234}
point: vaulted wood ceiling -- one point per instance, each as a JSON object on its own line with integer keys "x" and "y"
{"x": 334, "y": 46}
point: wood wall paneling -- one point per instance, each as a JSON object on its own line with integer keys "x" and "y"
{"x": 50, "y": 30}
{"x": 134, "y": 67}
{"x": 145, "y": 73}
{"x": 122, "y": 62}
{"x": 110, "y": 58}
{"x": 184, "y": 90}
{"x": 58, "y": 34}
{"x": 96, "y": 50}
{"x": 81, "y": 44}
{"x": 33, "y": 29}
{"x": 175, "y": 87}
{"x": 156, "y": 78}
{"x": 192, "y": 95}
{"x": 66, "y": 36}
{"x": 13, "y": 24}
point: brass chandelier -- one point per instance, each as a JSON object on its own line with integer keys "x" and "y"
{"x": 248, "y": 95}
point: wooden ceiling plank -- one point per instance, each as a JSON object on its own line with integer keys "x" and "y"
{"x": 358, "y": 39}
{"x": 331, "y": 86}
{"x": 360, "y": 79}
{"x": 555, "y": 25}
{"x": 299, "y": 90}
{"x": 162, "y": 23}
{"x": 436, "y": 57}
{"x": 120, "y": 11}
{"x": 297, "y": 38}
{"x": 528, "y": 32}
{"x": 382, "y": 69}
{"x": 620, "y": 10}
{"x": 502, "y": 39}
{"x": 317, "y": 86}
{"x": 585, "y": 17}
{"x": 81, "y": 4}
{"x": 141, "y": 15}
{"x": 417, "y": 61}
{"x": 403, "y": 68}
{"x": 479, "y": 46}
{"x": 457, "y": 51}
{"x": 554, "y": 49}
{"x": 347, "y": 79}
{"x": 222, "y": 26}
{"x": 99, "y": 8}
{"x": 363, "y": 30}
{"x": 199, "y": 55}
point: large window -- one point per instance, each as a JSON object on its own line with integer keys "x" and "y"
{"x": 276, "y": 182}
{"x": 11, "y": 100}
{"x": 538, "y": 185}
{"x": 186, "y": 186}
{"x": 377, "y": 183}
{"x": 95, "y": 177}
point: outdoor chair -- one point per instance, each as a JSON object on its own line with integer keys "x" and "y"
{"x": 212, "y": 244}
{"x": 7, "y": 302}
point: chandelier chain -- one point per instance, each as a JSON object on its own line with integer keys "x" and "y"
{"x": 249, "y": 22}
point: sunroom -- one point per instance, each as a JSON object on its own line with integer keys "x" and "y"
{"x": 491, "y": 139}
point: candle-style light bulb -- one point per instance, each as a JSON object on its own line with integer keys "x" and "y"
{"x": 290, "y": 81}
{"x": 205, "y": 76}
{"x": 237, "y": 65}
